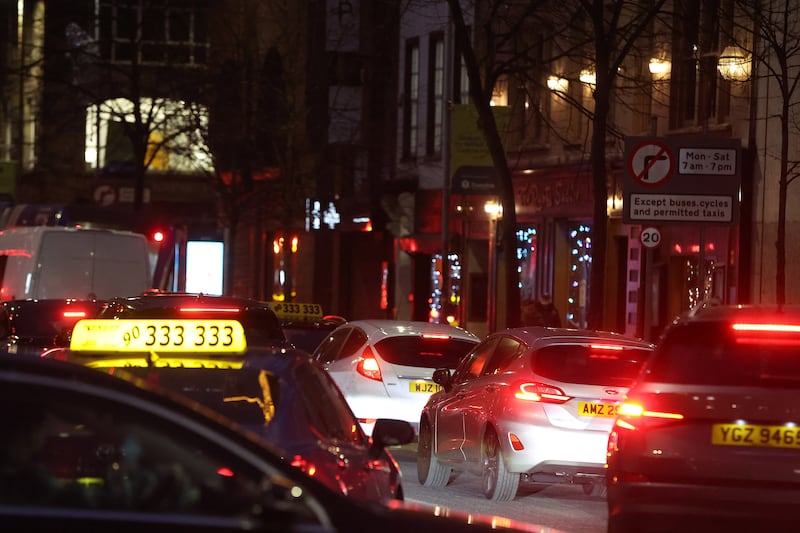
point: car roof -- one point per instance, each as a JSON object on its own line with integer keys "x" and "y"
{"x": 383, "y": 328}
{"x": 539, "y": 336}
{"x": 151, "y": 300}
{"x": 758, "y": 313}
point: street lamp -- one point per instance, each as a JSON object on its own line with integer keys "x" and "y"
{"x": 734, "y": 64}
{"x": 495, "y": 212}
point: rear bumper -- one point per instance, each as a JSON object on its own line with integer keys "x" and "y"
{"x": 655, "y": 507}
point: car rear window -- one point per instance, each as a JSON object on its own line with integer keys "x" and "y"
{"x": 590, "y": 365}
{"x": 714, "y": 354}
{"x": 46, "y": 319}
{"x": 423, "y": 352}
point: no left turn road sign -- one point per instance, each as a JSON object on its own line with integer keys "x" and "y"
{"x": 651, "y": 163}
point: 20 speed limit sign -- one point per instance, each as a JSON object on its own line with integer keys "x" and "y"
{"x": 650, "y": 237}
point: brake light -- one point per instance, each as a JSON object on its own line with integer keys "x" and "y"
{"x": 767, "y": 334}
{"x": 634, "y": 415}
{"x": 437, "y": 336}
{"x": 785, "y": 328}
{"x": 209, "y": 309}
{"x": 615, "y": 347}
{"x": 368, "y": 366}
{"x": 539, "y": 392}
{"x": 75, "y": 314}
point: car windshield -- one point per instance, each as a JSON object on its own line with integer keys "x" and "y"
{"x": 590, "y": 364}
{"x": 305, "y": 337}
{"x": 716, "y": 354}
{"x": 424, "y": 352}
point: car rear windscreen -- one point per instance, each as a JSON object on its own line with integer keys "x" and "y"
{"x": 715, "y": 354}
{"x": 424, "y": 352}
{"x": 601, "y": 364}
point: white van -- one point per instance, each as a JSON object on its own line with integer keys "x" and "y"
{"x": 49, "y": 262}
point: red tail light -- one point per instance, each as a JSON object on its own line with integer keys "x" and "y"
{"x": 767, "y": 334}
{"x": 209, "y": 309}
{"x": 634, "y": 415}
{"x": 540, "y": 392}
{"x": 368, "y": 366}
{"x": 75, "y": 314}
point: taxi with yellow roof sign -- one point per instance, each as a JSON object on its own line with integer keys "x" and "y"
{"x": 304, "y": 324}
{"x": 276, "y": 391}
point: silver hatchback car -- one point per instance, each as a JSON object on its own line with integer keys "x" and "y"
{"x": 709, "y": 437}
{"x": 533, "y": 404}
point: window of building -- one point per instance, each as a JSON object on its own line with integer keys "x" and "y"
{"x": 460, "y": 89}
{"x": 141, "y": 31}
{"x": 435, "y": 94}
{"x": 176, "y": 140}
{"x": 411, "y": 91}
{"x": 695, "y": 44}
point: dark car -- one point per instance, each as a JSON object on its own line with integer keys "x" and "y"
{"x": 85, "y": 451}
{"x": 708, "y": 437}
{"x": 29, "y": 327}
{"x": 304, "y": 324}
{"x": 280, "y": 393}
{"x": 261, "y": 325}
{"x": 529, "y": 404}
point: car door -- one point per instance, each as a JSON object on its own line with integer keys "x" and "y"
{"x": 81, "y": 458}
{"x": 458, "y": 401}
{"x": 341, "y": 441}
{"x": 487, "y": 392}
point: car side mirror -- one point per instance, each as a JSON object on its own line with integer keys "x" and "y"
{"x": 389, "y": 432}
{"x": 441, "y": 376}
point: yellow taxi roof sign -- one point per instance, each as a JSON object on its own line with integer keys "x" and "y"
{"x": 296, "y": 311}
{"x": 157, "y": 335}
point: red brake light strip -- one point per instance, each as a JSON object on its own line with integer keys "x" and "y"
{"x": 789, "y": 328}
{"x": 209, "y": 309}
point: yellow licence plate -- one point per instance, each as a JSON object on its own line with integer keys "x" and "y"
{"x": 597, "y": 409}
{"x": 424, "y": 386}
{"x": 755, "y": 435}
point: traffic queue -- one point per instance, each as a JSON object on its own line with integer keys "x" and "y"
{"x": 196, "y": 412}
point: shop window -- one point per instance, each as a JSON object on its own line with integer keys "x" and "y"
{"x": 580, "y": 241}
{"x": 527, "y": 248}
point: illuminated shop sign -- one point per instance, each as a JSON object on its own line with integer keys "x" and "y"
{"x": 318, "y": 214}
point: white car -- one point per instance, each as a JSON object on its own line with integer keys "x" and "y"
{"x": 531, "y": 404}
{"x": 385, "y": 368}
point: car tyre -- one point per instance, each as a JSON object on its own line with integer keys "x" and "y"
{"x": 430, "y": 471}
{"x": 499, "y": 484}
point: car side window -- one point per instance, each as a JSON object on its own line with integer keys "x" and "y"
{"x": 472, "y": 365}
{"x": 356, "y": 340}
{"x": 330, "y": 347}
{"x": 64, "y": 450}
{"x": 325, "y": 407}
{"x": 505, "y": 352}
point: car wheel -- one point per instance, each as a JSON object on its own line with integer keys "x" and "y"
{"x": 498, "y": 483}
{"x": 595, "y": 488}
{"x": 430, "y": 471}
{"x": 398, "y": 493}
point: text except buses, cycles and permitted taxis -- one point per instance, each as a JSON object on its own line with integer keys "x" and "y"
{"x": 680, "y": 207}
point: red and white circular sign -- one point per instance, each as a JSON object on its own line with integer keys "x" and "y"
{"x": 650, "y": 237}
{"x": 651, "y": 163}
